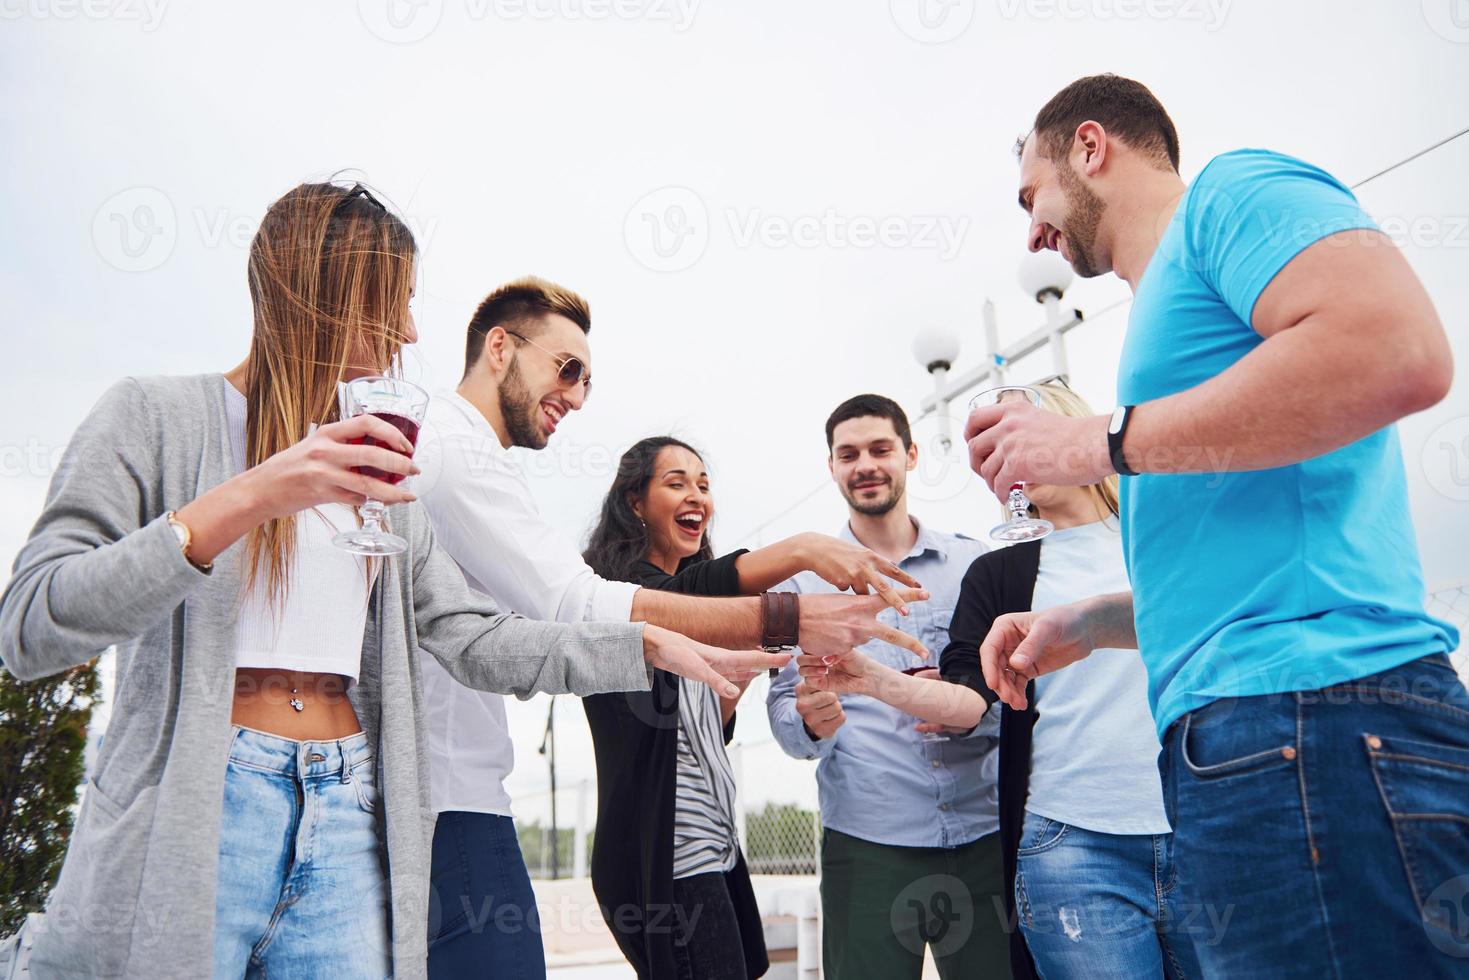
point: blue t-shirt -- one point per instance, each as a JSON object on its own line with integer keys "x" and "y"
{"x": 1287, "y": 579}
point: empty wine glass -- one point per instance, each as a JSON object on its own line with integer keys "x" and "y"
{"x": 401, "y": 404}
{"x": 1020, "y": 526}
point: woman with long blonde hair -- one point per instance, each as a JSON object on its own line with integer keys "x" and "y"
{"x": 1087, "y": 844}
{"x": 259, "y": 805}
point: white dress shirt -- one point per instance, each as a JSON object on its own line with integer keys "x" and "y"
{"x": 486, "y": 519}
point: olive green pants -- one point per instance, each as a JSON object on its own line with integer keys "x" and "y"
{"x": 881, "y": 905}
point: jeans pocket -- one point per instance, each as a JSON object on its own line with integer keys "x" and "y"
{"x": 364, "y": 780}
{"x": 1214, "y": 748}
{"x": 1425, "y": 790}
{"x": 1041, "y": 834}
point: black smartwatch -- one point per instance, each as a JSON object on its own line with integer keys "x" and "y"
{"x": 1116, "y": 430}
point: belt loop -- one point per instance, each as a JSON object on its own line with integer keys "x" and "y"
{"x": 346, "y": 767}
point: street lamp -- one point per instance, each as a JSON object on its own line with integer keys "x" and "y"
{"x": 1045, "y": 276}
{"x": 937, "y": 348}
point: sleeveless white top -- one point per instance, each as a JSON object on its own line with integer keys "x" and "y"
{"x": 320, "y": 625}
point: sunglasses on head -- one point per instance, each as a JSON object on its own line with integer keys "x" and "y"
{"x": 570, "y": 370}
{"x": 358, "y": 190}
{"x": 1053, "y": 379}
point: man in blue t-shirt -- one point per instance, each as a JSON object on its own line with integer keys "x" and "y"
{"x": 1315, "y": 735}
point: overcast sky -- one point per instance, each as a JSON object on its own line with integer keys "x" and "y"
{"x": 762, "y": 200}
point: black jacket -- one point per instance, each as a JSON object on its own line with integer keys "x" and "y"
{"x": 999, "y": 582}
{"x": 635, "y": 735}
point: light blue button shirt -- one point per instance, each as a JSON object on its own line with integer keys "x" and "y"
{"x": 878, "y": 779}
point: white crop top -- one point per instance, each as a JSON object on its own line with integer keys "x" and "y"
{"x": 320, "y": 625}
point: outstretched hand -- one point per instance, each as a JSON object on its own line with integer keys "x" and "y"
{"x": 707, "y": 664}
{"x": 1022, "y": 646}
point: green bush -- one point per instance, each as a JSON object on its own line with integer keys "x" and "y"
{"x": 43, "y": 737}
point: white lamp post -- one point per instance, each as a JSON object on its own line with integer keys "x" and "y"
{"x": 1046, "y": 275}
{"x": 1043, "y": 275}
{"x": 937, "y": 348}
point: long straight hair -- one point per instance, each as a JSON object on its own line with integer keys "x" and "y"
{"x": 620, "y": 539}
{"x": 331, "y": 273}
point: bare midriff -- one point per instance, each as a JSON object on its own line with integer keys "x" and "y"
{"x": 267, "y": 700}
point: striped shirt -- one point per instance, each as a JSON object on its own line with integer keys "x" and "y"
{"x": 704, "y": 837}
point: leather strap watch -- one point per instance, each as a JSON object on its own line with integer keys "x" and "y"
{"x": 1116, "y": 430}
{"x": 780, "y": 621}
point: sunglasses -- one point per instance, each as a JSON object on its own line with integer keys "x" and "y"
{"x": 358, "y": 190}
{"x": 1054, "y": 379}
{"x": 570, "y": 370}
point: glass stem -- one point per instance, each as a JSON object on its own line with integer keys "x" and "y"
{"x": 1019, "y": 506}
{"x": 373, "y": 512}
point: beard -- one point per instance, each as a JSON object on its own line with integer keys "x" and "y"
{"x": 518, "y": 408}
{"x": 1083, "y": 216}
{"x": 874, "y": 508}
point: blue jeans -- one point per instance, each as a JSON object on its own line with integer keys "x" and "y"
{"x": 1100, "y": 905}
{"x": 302, "y": 891}
{"x": 1325, "y": 833}
{"x": 483, "y": 920}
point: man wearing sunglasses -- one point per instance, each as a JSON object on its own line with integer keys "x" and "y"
{"x": 527, "y": 364}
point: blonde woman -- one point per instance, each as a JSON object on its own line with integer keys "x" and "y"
{"x": 259, "y": 806}
{"x": 1081, "y": 807}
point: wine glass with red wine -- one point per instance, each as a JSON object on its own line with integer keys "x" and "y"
{"x": 402, "y": 405}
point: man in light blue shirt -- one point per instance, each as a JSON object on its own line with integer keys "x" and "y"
{"x": 910, "y": 855}
{"x": 1315, "y": 737}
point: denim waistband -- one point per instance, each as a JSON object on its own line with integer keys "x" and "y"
{"x": 272, "y": 753}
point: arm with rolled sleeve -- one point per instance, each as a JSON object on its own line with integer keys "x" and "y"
{"x": 485, "y": 518}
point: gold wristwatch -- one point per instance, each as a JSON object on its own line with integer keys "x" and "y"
{"x": 186, "y": 538}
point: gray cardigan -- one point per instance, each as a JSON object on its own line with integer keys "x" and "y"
{"x": 102, "y": 568}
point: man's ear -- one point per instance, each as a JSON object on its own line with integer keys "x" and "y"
{"x": 1089, "y": 148}
{"x": 831, "y": 465}
{"x": 912, "y": 456}
{"x": 498, "y": 350}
